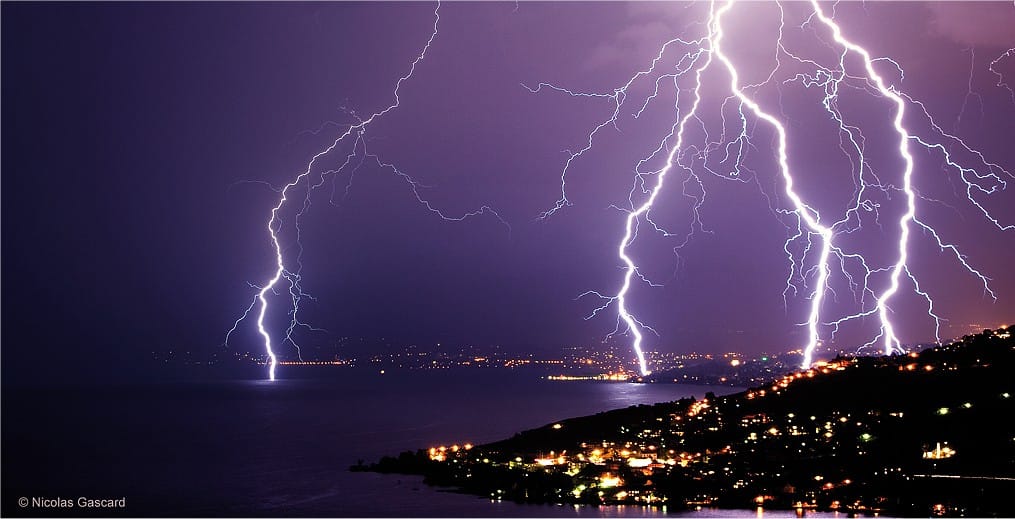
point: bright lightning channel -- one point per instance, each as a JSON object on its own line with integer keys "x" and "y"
{"x": 891, "y": 341}
{"x": 357, "y": 132}
{"x": 983, "y": 180}
{"x": 809, "y": 215}
{"x": 631, "y": 222}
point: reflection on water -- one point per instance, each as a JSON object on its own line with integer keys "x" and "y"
{"x": 284, "y": 448}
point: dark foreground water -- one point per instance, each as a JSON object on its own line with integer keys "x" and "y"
{"x": 255, "y": 448}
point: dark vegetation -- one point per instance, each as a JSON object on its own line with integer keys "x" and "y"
{"x": 909, "y": 435}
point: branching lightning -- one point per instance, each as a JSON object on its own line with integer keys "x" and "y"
{"x": 313, "y": 178}
{"x": 1001, "y": 81}
{"x": 819, "y": 257}
{"x": 813, "y": 247}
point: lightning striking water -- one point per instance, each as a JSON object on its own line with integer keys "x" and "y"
{"x": 631, "y": 222}
{"x": 874, "y": 286}
{"x": 356, "y": 134}
{"x": 702, "y": 144}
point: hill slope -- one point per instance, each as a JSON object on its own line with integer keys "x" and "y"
{"x": 908, "y": 435}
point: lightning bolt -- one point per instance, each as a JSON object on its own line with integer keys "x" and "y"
{"x": 630, "y": 226}
{"x": 813, "y": 247}
{"x": 810, "y": 216}
{"x": 356, "y": 134}
{"x": 809, "y": 231}
{"x": 887, "y": 332}
{"x": 891, "y": 341}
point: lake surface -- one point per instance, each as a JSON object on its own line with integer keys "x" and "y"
{"x": 255, "y": 448}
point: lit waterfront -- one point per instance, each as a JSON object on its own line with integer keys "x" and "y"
{"x": 905, "y": 434}
{"x": 606, "y": 363}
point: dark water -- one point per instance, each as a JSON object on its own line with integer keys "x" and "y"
{"x": 283, "y": 448}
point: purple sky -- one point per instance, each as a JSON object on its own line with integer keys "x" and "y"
{"x": 129, "y": 128}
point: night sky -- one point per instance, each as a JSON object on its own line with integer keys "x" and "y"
{"x": 140, "y": 141}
